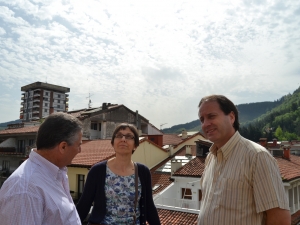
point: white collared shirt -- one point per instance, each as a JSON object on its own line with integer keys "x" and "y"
{"x": 37, "y": 193}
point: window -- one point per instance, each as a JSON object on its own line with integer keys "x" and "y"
{"x": 58, "y": 106}
{"x": 45, "y": 110}
{"x": 30, "y": 142}
{"x": 58, "y": 101}
{"x": 80, "y": 184}
{"x": 5, "y": 165}
{"x": 47, "y": 93}
{"x": 58, "y": 96}
{"x": 99, "y": 126}
{"x": 93, "y": 126}
{"x": 45, "y": 99}
{"x": 186, "y": 193}
{"x": 46, "y": 104}
{"x": 200, "y": 195}
{"x": 21, "y": 146}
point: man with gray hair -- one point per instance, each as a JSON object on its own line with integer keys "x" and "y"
{"x": 38, "y": 191}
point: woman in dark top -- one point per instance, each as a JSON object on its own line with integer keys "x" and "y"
{"x": 110, "y": 186}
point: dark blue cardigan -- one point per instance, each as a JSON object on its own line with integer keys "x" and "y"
{"x": 94, "y": 192}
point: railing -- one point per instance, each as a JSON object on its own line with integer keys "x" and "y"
{"x": 181, "y": 203}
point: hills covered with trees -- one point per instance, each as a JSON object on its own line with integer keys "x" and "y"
{"x": 279, "y": 119}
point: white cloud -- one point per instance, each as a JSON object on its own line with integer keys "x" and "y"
{"x": 158, "y": 57}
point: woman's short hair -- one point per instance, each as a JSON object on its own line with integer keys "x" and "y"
{"x": 226, "y": 106}
{"x": 132, "y": 128}
{"x": 56, "y": 128}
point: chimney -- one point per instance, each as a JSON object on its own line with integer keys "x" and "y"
{"x": 274, "y": 142}
{"x": 184, "y": 134}
{"x": 175, "y": 165}
{"x": 286, "y": 152}
{"x": 171, "y": 150}
{"x": 51, "y": 110}
{"x": 188, "y": 150}
{"x": 263, "y": 142}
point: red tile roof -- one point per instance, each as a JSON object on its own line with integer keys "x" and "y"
{"x": 168, "y": 217}
{"x": 295, "y": 218}
{"x": 171, "y": 139}
{"x": 93, "y": 152}
{"x": 289, "y": 169}
{"x": 22, "y": 130}
{"x": 192, "y": 136}
{"x": 194, "y": 168}
{"x": 159, "y": 178}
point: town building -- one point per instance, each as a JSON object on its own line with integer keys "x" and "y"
{"x": 41, "y": 99}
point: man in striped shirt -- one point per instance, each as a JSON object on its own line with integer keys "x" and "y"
{"x": 241, "y": 183}
{"x": 38, "y": 193}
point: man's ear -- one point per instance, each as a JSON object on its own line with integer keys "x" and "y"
{"x": 232, "y": 117}
{"x": 62, "y": 147}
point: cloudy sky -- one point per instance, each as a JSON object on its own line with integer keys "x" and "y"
{"x": 157, "y": 57}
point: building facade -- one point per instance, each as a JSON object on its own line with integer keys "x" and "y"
{"x": 41, "y": 99}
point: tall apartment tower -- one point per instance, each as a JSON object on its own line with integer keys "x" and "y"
{"x": 41, "y": 99}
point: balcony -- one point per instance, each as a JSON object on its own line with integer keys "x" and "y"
{"x": 36, "y": 100}
{"x": 23, "y": 98}
{"x": 180, "y": 204}
{"x": 36, "y": 94}
{"x": 35, "y": 118}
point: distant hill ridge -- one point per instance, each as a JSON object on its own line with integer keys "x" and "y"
{"x": 4, "y": 125}
{"x": 247, "y": 114}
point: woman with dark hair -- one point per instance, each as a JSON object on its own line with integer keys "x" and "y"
{"x": 119, "y": 189}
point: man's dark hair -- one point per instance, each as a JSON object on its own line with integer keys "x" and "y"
{"x": 56, "y": 128}
{"x": 226, "y": 106}
{"x": 133, "y": 129}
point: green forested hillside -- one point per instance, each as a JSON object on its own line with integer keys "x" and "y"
{"x": 279, "y": 119}
{"x": 247, "y": 112}
{"x": 282, "y": 122}
{"x": 251, "y": 111}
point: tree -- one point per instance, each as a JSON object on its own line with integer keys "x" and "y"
{"x": 279, "y": 133}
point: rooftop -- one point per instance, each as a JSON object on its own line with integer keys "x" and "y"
{"x": 42, "y": 85}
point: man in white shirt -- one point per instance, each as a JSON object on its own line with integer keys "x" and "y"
{"x": 38, "y": 193}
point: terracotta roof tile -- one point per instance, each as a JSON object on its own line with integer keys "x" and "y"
{"x": 163, "y": 179}
{"x": 93, "y": 152}
{"x": 176, "y": 217}
{"x": 289, "y": 169}
{"x": 194, "y": 168}
{"x": 171, "y": 139}
{"x": 22, "y": 130}
{"x": 295, "y": 218}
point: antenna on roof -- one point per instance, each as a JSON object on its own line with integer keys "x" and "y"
{"x": 90, "y": 101}
{"x": 162, "y": 125}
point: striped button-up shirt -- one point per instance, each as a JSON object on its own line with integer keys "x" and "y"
{"x": 241, "y": 180}
{"x": 37, "y": 193}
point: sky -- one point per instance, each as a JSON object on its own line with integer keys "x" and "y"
{"x": 157, "y": 57}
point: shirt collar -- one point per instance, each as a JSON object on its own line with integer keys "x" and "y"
{"x": 47, "y": 167}
{"x": 225, "y": 150}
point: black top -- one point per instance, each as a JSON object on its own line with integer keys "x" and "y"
{"x": 94, "y": 192}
